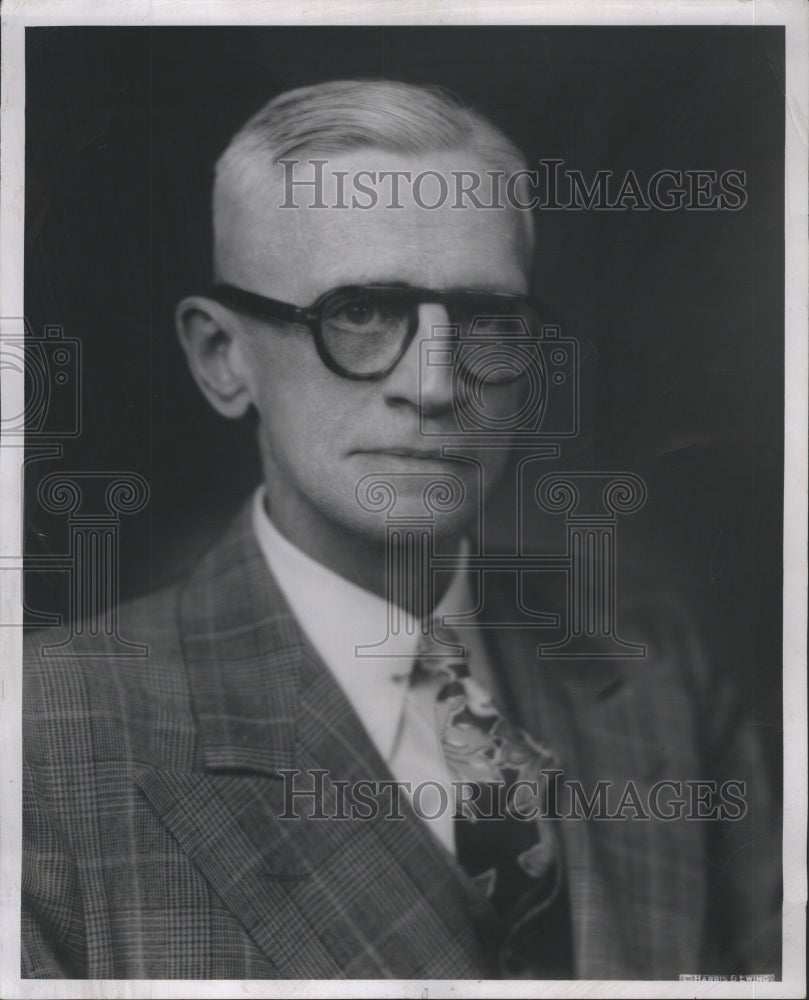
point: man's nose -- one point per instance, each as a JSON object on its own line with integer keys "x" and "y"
{"x": 414, "y": 381}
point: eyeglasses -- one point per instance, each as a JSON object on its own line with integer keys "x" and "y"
{"x": 362, "y": 331}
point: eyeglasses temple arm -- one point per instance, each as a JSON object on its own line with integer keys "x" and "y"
{"x": 260, "y": 305}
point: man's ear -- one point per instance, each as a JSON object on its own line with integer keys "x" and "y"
{"x": 212, "y": 339}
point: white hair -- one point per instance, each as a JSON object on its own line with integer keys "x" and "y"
{"x": 344, "y": 115}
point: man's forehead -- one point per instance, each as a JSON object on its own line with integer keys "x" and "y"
{"x": 370, "y": 215}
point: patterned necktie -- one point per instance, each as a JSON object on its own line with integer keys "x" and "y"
{"x": 514, "y": 860}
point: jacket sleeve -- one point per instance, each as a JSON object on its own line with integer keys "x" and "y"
{"x": 739, "y": 756}
{"x": 744, "y": 849}
{"x": 745, "y": 898}
{"x": 53, "y": 939}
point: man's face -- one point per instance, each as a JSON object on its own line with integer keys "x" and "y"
{"x": 321, "y": 433}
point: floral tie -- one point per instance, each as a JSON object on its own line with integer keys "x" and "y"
{"x": 513, "y": 859}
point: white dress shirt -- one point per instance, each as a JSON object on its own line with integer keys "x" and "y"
{"x": 338, "y": 616}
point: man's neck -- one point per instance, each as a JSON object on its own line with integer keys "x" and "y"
{"x": 368, "y": 563}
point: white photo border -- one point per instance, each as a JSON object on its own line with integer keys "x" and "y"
{"x": 794, "y": 15}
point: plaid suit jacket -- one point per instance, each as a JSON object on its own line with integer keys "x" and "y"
{"x": 154, "y": 847}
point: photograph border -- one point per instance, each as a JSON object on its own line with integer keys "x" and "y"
{"x": 794, "y": 15}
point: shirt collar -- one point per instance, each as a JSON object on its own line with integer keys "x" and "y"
{"x": 338, "y": 616}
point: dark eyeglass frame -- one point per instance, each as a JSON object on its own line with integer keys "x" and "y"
{"x": 262, "y": 307}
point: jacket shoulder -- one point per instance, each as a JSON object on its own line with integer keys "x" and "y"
{"x": 113, "y": 691}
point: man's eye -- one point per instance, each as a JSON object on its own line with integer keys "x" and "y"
{"x": 359, "y": 313}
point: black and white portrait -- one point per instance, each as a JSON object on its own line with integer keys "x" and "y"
{"x": 401, "y": 490}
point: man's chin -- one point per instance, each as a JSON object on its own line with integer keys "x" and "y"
{"x": 410, "y": 516}
{"x": 411, "y": 490}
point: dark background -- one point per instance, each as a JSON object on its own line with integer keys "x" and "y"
{"x": 680, "y": 315}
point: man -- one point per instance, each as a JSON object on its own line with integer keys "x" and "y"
{"x": 227, "y": 806}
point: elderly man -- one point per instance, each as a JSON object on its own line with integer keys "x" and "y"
{"x": 311, "y": 774}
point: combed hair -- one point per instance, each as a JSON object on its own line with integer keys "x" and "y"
{"x": 344, "y": 115}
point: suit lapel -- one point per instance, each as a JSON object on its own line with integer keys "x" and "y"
{"x": 636, "y": 886}
{"x": 322, "y": 897}
{"x": 379, "y": 897}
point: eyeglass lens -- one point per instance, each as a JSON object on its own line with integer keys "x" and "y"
{"x": 364, "y": 329}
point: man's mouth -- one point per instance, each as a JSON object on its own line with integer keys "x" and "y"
{"x": 425, "y": 454}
